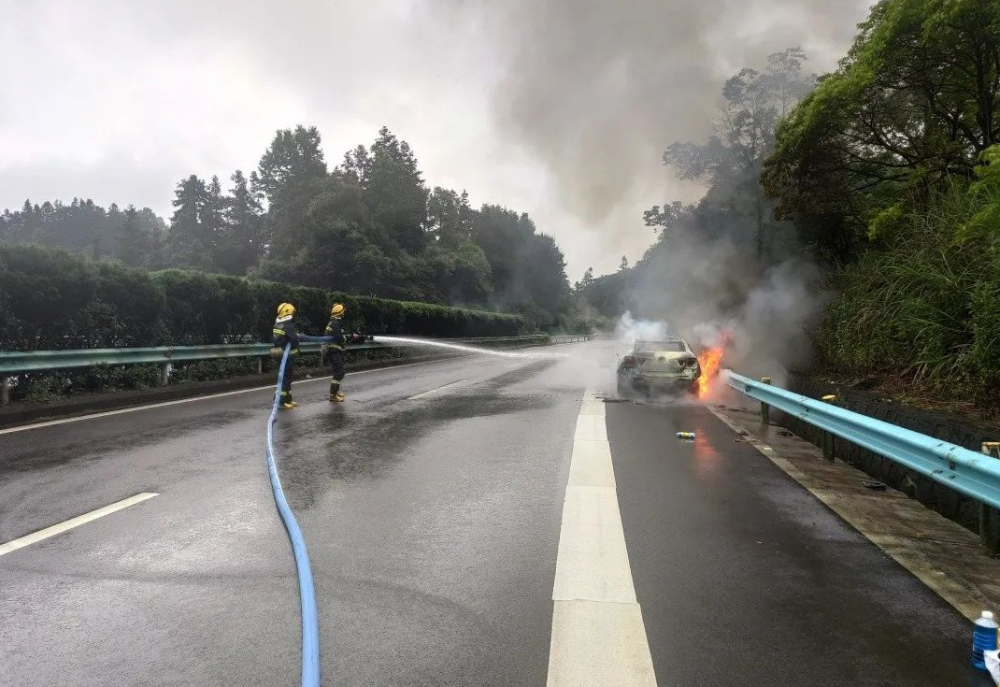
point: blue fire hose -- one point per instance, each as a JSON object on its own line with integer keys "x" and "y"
{"x": 307, "y": 592}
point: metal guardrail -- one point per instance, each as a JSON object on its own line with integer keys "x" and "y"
{"x": 974, "y": 474}
{"x": 13, "y": 363}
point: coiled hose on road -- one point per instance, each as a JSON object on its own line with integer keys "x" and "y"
{"x": 307, "y": 591}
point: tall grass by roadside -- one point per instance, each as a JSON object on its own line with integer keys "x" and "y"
{"x": 925, "y": 304}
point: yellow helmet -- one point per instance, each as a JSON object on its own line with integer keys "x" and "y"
{"x": 337, "y": 310}
{"x": 286, "y": 310}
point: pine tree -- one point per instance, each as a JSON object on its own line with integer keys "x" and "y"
{"x": 290, "y": 174}
{"x": 187, "y": 244}
{"x": 241, "y": 245}
{"x": 132, "y": 244}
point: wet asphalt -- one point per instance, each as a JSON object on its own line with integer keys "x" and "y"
{"x": 433, "y": 526}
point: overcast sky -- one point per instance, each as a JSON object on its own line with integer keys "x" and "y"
{"x": 559, "y": 108}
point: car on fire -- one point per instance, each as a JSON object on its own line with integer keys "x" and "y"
{"x": 659, "y": 366}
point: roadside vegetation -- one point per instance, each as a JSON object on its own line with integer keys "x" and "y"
{"x": 370, "y": 226}
{"x": 891, "y": 171}
{"x": 885, "y": 173}
{"x": 51, "y": 299}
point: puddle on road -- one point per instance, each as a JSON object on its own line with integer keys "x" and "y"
{"x": 369, "y": 443}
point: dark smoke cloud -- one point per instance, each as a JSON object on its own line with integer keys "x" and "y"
{"x": 596, "y": 89}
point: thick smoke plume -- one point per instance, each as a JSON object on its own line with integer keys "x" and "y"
{"x": 713, "y": 292}
{"x": 596, "y": 89}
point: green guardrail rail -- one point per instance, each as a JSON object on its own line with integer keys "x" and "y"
{"x": 14, "y": 363}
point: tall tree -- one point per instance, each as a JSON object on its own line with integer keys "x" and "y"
{"x": 132, "y": 244}
{"x": 242, "y": 241}
{"x": 908, "y": 111}
{"x": 393, "y": 188}
{"x": 449, "y": 216}
{"x": 529, "y": 270}
{"x": 293, "y": 160}
{"x": 290, "y": 174}
{"x": 213, "y": 215}
{"x": 729, "y": 163}
{"x": 190, "y": 240}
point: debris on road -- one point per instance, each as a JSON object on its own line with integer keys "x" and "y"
{"x": 875, "y": 486}
{"x": 784, "y": 433}
{"x": 686, "y": 435}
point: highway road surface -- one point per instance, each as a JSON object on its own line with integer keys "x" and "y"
{"x": 480, "y": 521}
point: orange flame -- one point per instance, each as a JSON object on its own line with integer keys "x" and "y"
{"x": 709, "y": 359}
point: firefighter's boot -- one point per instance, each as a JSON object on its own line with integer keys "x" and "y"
{"x": 335, "y": 395}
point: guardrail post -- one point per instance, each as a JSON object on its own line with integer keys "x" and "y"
{"x": 989, "y": 517}
{"x": 829, "y": 448}
{"x": 4, "y": 391}
{"x": 165, "y": 369}
{"x": 765, "y": 409}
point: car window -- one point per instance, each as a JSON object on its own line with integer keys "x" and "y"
{"x": 656, "y": 346}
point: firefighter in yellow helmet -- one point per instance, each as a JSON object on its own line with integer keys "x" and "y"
{"x": 335, "y": 351}
{"x": 285, "y": 334}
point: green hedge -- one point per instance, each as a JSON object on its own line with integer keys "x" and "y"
{"x": 50, "y": 299}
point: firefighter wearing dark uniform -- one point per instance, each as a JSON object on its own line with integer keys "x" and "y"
{"x": 285, "y": 334}
{"x": 335, "y": 351}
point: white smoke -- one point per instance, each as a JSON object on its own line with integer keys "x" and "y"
{"x": 628, "y": 330}
{"x": 713, "y": 293}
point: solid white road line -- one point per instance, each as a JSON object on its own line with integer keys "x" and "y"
{"x": 194, "y": 399}
{"x": 66, "y": 526}
{"x": 598, "y": 637}
{"x": 435, "y": 390}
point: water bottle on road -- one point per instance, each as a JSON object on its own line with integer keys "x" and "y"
{"x": 984, "y": 638}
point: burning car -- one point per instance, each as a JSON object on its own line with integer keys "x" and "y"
{"x": 650, "y": 366}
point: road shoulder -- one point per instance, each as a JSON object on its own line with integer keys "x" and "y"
{"x": 942, "y": 554}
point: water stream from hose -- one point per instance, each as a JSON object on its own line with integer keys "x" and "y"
{"x": 465, "y": 348}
